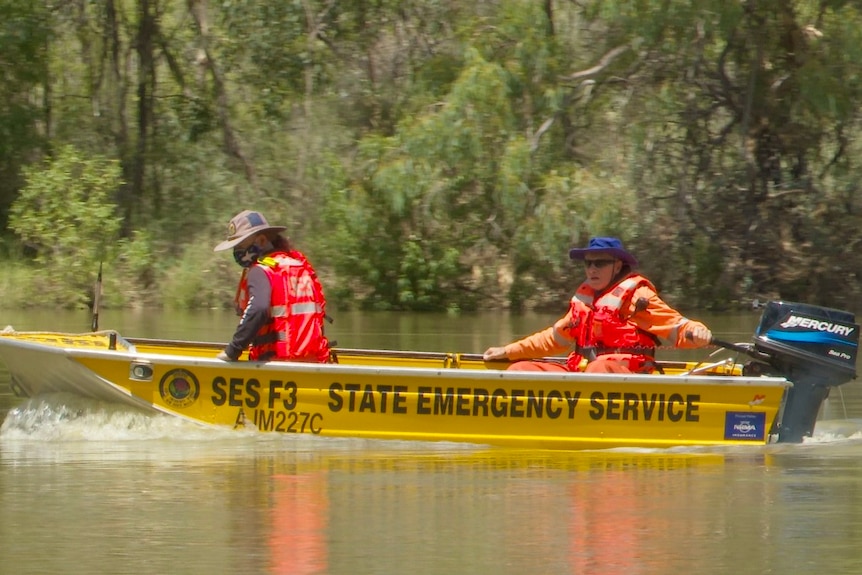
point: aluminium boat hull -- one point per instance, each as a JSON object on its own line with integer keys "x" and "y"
{"x": 402, "y": 395}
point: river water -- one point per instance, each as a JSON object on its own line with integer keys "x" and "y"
{"x": 94, "y": 488}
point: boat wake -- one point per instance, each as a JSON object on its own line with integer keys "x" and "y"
{"x": 54, "y": 420}
{"x": 67, "y": 417}
{"x": 836, "y": 431}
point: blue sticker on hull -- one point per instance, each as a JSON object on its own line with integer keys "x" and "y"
{"x": 745, "y": 425}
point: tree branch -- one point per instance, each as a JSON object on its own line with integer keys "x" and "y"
{"x": 606, "y": 61}
{"x": 231, "y": 142}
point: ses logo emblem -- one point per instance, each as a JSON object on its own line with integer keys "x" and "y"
{"x": 179, "y": 388}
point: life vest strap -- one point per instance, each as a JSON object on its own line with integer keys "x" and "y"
{"x": 592, "y": 352}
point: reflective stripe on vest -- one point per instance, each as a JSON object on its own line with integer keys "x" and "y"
{"x": 296, "y": 309}
{"x": 622, "y": 292}
{"x": 582, "y": 296}
{"x": 614, "y": 299}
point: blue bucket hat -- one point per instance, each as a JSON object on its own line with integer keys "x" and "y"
{"x": 612, "y": 246}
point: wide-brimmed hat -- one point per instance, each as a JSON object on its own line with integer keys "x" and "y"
{"x": 244, "y": 225}
{"x": 612, "y": 246}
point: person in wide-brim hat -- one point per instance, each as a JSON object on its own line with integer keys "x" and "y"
{"x": 615, "y": 322}
{"x": 610, "y": 246}
{"x": 245, "y": 225}
{"x": 272, "y": 269}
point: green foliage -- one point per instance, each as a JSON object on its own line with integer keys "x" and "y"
{"x": 23, "y": 36}
{"x": 272, "y": 35}
{"x": 424, "y": 277}
{"x": 419, "y": 212}
{"x": 572, "y": 208}
{"x": 136, "y": 269}
{"x": 434, "y": 154}
{"x": 704, "y": 287}
{"x": 198, "y": 278}
{"x": 64, "y": 215}
{"x": 15, "y": 284}
{"x": 24, "y": 33}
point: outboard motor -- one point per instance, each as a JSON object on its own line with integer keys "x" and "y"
{"x": 815, "y": 348}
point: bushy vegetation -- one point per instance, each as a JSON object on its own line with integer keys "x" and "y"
{"x": 431, "y": 154}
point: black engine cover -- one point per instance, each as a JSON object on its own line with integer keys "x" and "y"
{"x": 805, "y": 334}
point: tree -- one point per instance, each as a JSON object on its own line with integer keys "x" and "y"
{"x": 66, "y": 219}
{"x": 24, "y": 92}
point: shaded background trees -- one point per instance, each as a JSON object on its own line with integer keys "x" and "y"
{"x": 440, "y": 154}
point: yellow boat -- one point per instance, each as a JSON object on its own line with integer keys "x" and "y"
{"x": 799, "y": 353}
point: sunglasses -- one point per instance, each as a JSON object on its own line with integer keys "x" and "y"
{"x": 598, "y": 264}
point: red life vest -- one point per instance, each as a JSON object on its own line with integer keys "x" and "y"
{"x": 297, "y": 311}
{"x": 600, "y": 327}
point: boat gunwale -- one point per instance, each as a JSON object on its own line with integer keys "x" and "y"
{"x": 437, "y": 372}
{"x": 395, "y": 371}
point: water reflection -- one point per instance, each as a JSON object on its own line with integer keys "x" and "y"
{"x": 88, "y": 487}
{"x": 224, "y": 502}
{"x": 299, "y": 523}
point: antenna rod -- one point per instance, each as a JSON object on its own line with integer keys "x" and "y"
{"x": 96, "y": 297}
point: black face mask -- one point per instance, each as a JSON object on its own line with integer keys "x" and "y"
{"x": 247, "y": 256}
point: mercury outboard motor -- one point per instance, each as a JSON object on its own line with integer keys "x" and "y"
{"x": 815, "y": 348}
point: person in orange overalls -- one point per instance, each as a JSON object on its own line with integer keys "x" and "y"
{"x": 614, "y": 323}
